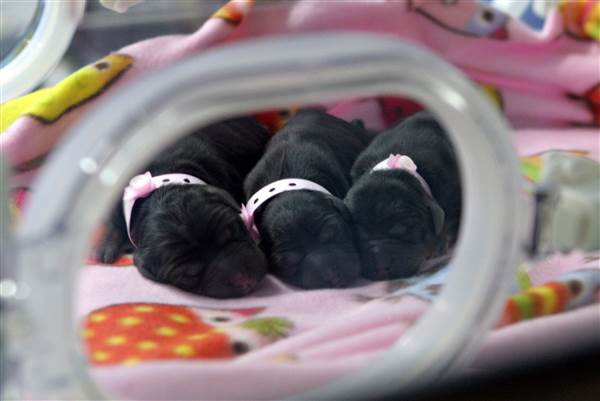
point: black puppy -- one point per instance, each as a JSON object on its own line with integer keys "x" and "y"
{"x": 398, "y": 224}
{"x": 307, "y": 235}
{"x": 191, "y": 236}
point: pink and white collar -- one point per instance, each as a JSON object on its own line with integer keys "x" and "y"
{"x": 402, "y": 162}
{"x": 143, "y": 185}
{"x": 270, "y": 191}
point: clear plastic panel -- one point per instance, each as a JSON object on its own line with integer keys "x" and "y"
{"x": 19, "y": 20}
{"x": 108, "y": 147}
{"x": 41, "y": 46}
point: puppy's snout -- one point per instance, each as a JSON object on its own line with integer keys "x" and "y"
{"x": 384, "y": 267}
{"x": 384, "y": 260}
{"x": 235, "y": 274}
{"x": 244, "y": 283}
{"x": 330, "y": 269}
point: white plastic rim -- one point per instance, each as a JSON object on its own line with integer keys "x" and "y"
{"x": 104, "y": 151}
{"x": 47, "y": 46}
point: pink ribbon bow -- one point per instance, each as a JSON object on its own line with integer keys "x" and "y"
{"x": 248, "y": 219}
{"x": 401, "y": 162}
{"x": 139, "y": 187}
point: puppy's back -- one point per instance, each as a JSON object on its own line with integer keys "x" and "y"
{"x": 318, "y": 127}
{"x": 240, "y": 141}
{"x": 425, "y": 141}
{"x": 313, "y": 145}
{"x": 420, "y": 136}
{"x": 222, "y": 154}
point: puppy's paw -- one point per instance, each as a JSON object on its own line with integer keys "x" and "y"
{"x": 111, "y": 248}
{"x": 443, "y": 246}
{"x": 108, "y": 253}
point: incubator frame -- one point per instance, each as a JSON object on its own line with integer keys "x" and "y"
{"x": 51, "y": 37}
{"x": 100, "y": 155}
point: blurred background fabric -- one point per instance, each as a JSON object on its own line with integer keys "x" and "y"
{"x": 102, "y": 30}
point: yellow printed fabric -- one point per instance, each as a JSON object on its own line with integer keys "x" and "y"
{"x": 49, "y": 104}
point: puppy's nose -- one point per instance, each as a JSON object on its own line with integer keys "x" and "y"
{"x": 336, "y": 269}
{"x": 390, "y": 265}
{"x": 383, "y": 266}
{"x": 331, "y": 278}
{"x": 244, "y": 283}
{"x": 379, "y": 263}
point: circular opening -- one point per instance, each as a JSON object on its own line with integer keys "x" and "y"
{"x": 36, "y": 49}
{"x": 18, "y": 22}
{"x": 371, "y": 66}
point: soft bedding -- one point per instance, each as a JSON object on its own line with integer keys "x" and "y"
{"x": 149, "y": 341}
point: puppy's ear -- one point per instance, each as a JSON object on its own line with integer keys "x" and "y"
{"x": 437, "y": 216}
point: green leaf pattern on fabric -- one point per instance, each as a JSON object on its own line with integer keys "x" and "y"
{"x": 273, "y": 327}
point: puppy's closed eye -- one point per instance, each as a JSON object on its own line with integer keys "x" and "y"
{"x": 291, "y": 257}
{"x": 361, "y": 233}
{"x": 327, "y": 234}
{"x": 224, "y": 235}
{"x": 398, "y": 231}
{"x": 408, "y": 231}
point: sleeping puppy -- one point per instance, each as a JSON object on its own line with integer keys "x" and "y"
{"x": 307, "y": 235}
{"x": 402, "y": 219}
{"x": 192, "y": 236}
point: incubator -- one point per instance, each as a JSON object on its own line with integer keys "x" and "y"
{"x": 42, "y": 355}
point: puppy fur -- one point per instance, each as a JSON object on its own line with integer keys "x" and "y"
{"x": 191, "y": 236}
{"x": 398, "y": 225}
{"x": 307, "y": 235}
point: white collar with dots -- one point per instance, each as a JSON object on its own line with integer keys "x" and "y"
{"x": 143, "y": 185}
{"x": 272, "y": 190}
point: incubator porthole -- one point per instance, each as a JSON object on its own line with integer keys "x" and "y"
{"x": 353, "y": 210}
{"x": 355, "y": 260}
{"x": 38, "y": 49}
{"x": 203, "y": 289}
{"x": 19, "y": 20}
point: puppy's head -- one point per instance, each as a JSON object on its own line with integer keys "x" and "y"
{"x": 309, "y": 238}
{"x": 193, "y": 238}
{"x": 397, "y": 224}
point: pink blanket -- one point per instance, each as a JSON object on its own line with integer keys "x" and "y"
{"x": 539, "y": 79}
{"x": 149, "y": 341}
